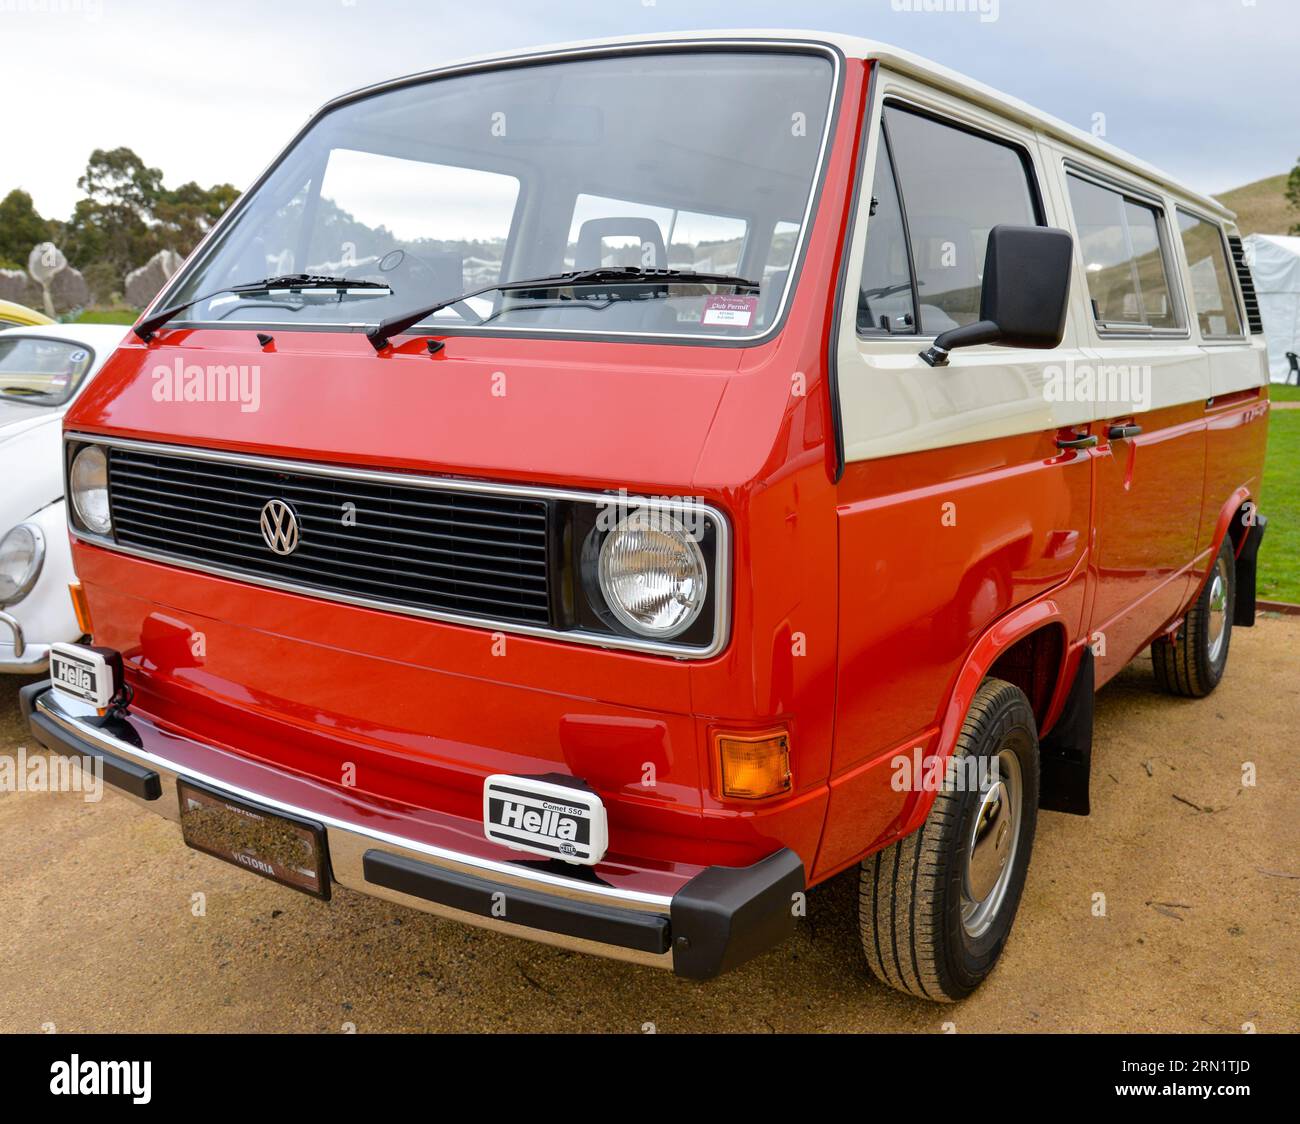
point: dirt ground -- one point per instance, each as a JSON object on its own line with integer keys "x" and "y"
{"x": 1200, "y": 876}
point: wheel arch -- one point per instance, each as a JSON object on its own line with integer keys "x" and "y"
{"x": 1031, "y": 642}
{"x": 1230, "y": 524}
{"x": 1241, "y": 522}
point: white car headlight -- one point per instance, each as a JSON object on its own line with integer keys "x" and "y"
{"x": 652, "y": 574}
{"x": 22, "y": 553}
{"x": 89, "y": 488}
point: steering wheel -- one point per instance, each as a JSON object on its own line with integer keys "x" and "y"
{"x": 414, "y": 278}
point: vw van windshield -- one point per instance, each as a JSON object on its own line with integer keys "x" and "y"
{"x": 691, "y": 162}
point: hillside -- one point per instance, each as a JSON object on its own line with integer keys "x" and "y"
{"x": 1261, "y": 206}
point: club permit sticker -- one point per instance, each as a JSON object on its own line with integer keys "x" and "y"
{"x": 729, "y": 312}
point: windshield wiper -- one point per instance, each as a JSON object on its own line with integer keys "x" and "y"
{"x": 381, "y": 336}
{"x": 306, "y": 281}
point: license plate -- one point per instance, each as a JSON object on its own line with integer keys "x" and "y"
{"x": 544, "y": 817}
{"x": 282, "y": 848}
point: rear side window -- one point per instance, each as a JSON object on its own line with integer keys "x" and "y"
{"x": 954, "y": 186}
{"x": 1213, "y": 296}
{"x": 1124, "y": 257}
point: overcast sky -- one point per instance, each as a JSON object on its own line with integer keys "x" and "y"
{"x": 1207, "y": 89}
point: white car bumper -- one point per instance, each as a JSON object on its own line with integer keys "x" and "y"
{"x": 17, "y": 656}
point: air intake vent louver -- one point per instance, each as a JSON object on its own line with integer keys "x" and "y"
{"x": 1247, "y": 285}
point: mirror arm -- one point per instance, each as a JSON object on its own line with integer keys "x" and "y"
{"x": 982, "y": 331}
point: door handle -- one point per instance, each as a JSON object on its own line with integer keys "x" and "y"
{"x": 1124, "y": 432}
{"x": 1089, "y": 442}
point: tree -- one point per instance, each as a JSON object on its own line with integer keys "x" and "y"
{"x": 21, "y": 228}
{"x": 112, "y": 222}
{"x": 119, "y": 178}
{"x": 1293, "y": 193}
{"x": 128, "y": 215}
{"x": 186, "y": 214}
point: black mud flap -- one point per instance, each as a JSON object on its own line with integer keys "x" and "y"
{"x": 1243, "y": 607}
{"x": 1065, "y": 755}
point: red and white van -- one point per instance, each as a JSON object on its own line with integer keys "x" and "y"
{"x": 599, "y": 494}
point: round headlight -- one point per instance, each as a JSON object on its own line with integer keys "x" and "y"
{"x": 652, "y": 574}
{"x": 90, "y": 489}
{"x": 22, "y": 552}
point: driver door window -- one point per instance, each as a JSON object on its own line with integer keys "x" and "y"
{"x": 947, "y": 188}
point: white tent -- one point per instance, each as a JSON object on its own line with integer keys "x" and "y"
{"x": 1275, "y": 264}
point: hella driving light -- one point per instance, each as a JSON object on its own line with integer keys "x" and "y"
{"x": 22, "y": 553}
{"x": 89, "y": 488}
{"x": 652, "y": 574}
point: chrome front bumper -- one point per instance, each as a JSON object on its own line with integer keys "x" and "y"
{"x": 715, "y": 921}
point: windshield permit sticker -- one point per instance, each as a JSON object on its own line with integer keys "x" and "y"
{"x": 730, "y": 312}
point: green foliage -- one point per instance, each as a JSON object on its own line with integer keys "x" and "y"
{"x": 107, "y": 316}
{"x": 21, "y": 228}
{"x": 127, "y": 215}
{"x": 112, "y": 223}
{"x": 1293, "y": 193}
{"x": 103, "y": 281}
{"x": 188, "y": 213}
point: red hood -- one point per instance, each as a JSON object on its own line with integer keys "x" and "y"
{"x": 559, "y": 412}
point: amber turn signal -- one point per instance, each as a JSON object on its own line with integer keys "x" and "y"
{"x": 753, "y": 767}
{"x": 81, "y": 608}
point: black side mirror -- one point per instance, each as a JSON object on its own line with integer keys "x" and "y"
{"x": 1025, "y": 296}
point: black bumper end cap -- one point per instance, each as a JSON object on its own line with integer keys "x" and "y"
{"x": 725, "y": 916}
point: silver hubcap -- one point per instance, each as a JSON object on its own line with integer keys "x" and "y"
{"x": 1218, "y": 609}
{"x": 991, "y": 848}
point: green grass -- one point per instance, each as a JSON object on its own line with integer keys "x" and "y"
{"x": 1279, "y": 557}
{"x": 108, "y": 316}
{"x": 1279, "y": 393}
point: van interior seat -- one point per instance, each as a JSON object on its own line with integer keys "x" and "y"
{"x": 593, "y": 232}
{"x": 629, "y": 316}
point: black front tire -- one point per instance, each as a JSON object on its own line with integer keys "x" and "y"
{"x": 914, "y": 896}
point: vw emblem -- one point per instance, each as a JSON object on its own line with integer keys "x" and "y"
{"x": 280, "y": 527}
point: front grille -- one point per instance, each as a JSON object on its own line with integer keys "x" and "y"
{"x": 432, "y": 549}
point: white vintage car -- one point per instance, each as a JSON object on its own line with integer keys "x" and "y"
{"x": 42, "y": 370}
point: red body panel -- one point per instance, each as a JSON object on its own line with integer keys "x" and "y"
{"x": 859, "y": 621}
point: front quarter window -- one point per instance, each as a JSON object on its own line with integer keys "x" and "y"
{"x": 687, "y": 161}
